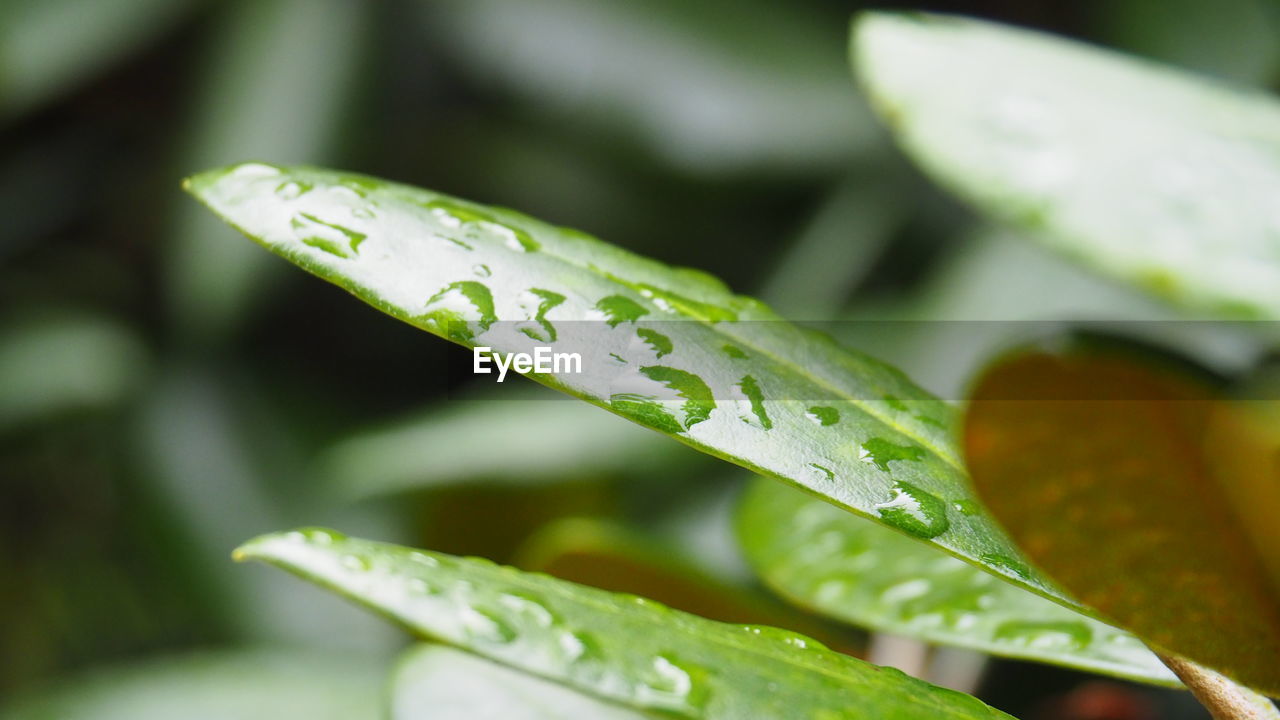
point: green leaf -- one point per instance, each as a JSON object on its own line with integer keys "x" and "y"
{"x": 245, "y": 685}
{"x": 1155, "y": 176}
{"x": 620, "y": 648}
{"x": 1153, "y": 500}
{"x": 609, "y": 556}
{"x": 50, "y": 367}
{"x": 672, "y": 76}
{"x": 436, "y": 682}
{"x": 739, "y": 382}
{"x": 844, "y": 567}
{"x": 47, "y": 46}
{"x": 276, "y": 86}
{"x": 544, "y": 440}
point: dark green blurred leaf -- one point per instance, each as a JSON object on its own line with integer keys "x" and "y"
{"x": 1158, "y": 177}
{"x": 1127, "y": 508}
{"x": 244, "y": 685}
{"x": 850, "y": 569}
{"x": 739, "y": 383}
{"x": 618, "y": 647}
{"x": 53, "y": 366}
{"x": 47, "y": 46}
{"x": 709, "y": 86}
{"x": 1233, "y": 39}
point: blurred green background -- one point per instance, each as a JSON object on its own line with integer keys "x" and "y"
{"x": 168, "y": 390}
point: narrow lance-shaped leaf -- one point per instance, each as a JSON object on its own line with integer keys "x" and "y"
{"x": 1159, "y": 177}
{"x": 845, "y": 567}
{"x": 621, "y": 648}
{"x": 1158, "y": 510}
{"x": 666, "y": 347}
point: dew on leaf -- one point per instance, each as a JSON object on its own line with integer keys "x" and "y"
{"x": 660, "y": 343}
{"x": 1045, "y": 634}
{"x": 291, "y": 189}
{"x": 645, "y": 410}
{"x": 755, "y": 396}
{"x": 619, "y": 309}
{"x": 355, "y": 562}
{"x": 824, "y": 470}
{"x": 915, "y": 511}
{"x": 823, "y": 415}
{"x": 543, "y": 301}
{"x": 481, "y": 271}
{"x": 458, "y": 217}
{"x": 668, "y": 301}
{"x": 880, "y": 452}
{"x": 529, "y": 607}
{"x": 672, "y": 684}
{"x": 699, "y": 401}
{"x": 484, "y": 625}
{"x": 459, "y": 303}
{"x": 1005, "y": 562}
{"x": 334, "y": 239}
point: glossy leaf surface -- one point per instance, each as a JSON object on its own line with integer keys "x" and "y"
{"x": 437, "y": 682}
{"x": 622, "y": 648}
{"x": 1130, "y": 481}
{"x": 844, "y": 567}
{"x": 1156, "y": 176}
{"x": 670, "y": 348}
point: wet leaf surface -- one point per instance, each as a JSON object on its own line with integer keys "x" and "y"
{"x": 622, "y": 648}
{"x": 1153, "y": 175}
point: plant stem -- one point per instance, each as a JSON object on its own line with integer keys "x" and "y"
{"x": 1224, "y": 699}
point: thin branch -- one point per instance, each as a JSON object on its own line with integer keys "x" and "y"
{"x": 1224, "y": 699}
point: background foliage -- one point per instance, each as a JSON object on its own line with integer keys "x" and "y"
{"x": 167, "y": 390}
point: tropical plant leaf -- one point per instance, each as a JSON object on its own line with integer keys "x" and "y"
{"x": 609, "y": 556}
{"x": 1153, "y": 499}
{"x": 844, "y": 567}
{"x": 545, "y": 439}
{"x": 245, "y": 685}
{"x": 669, "y": 348}
{"x": 621, "y": 648}
{"x": 437, "y": 682}
{"x": 1152, "y": 175}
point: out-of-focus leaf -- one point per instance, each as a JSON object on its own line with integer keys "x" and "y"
{"x": 611, "y": 557}
{"x": 210, "y": 472}
{"x": 836, "y": 249}
{"x": 47, "y": 46}
{"x": 621, "y": 648}
{"x": 542, "y": 440}
{"x": 244, "y": 685}
{"x": 275, "y": 88}
{"x": 997, "y": 290}
{"x": 674, "y": 75}
{"x": 1154, "y": 176}
{"x": 1233, "y": 39}
{"x": 669, "y": 348}
{"x": 850, "y": 569}
{"x": 436, "y": 682}
{"x": 65, "y": 364}
{"x": 1096, "y": 459}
